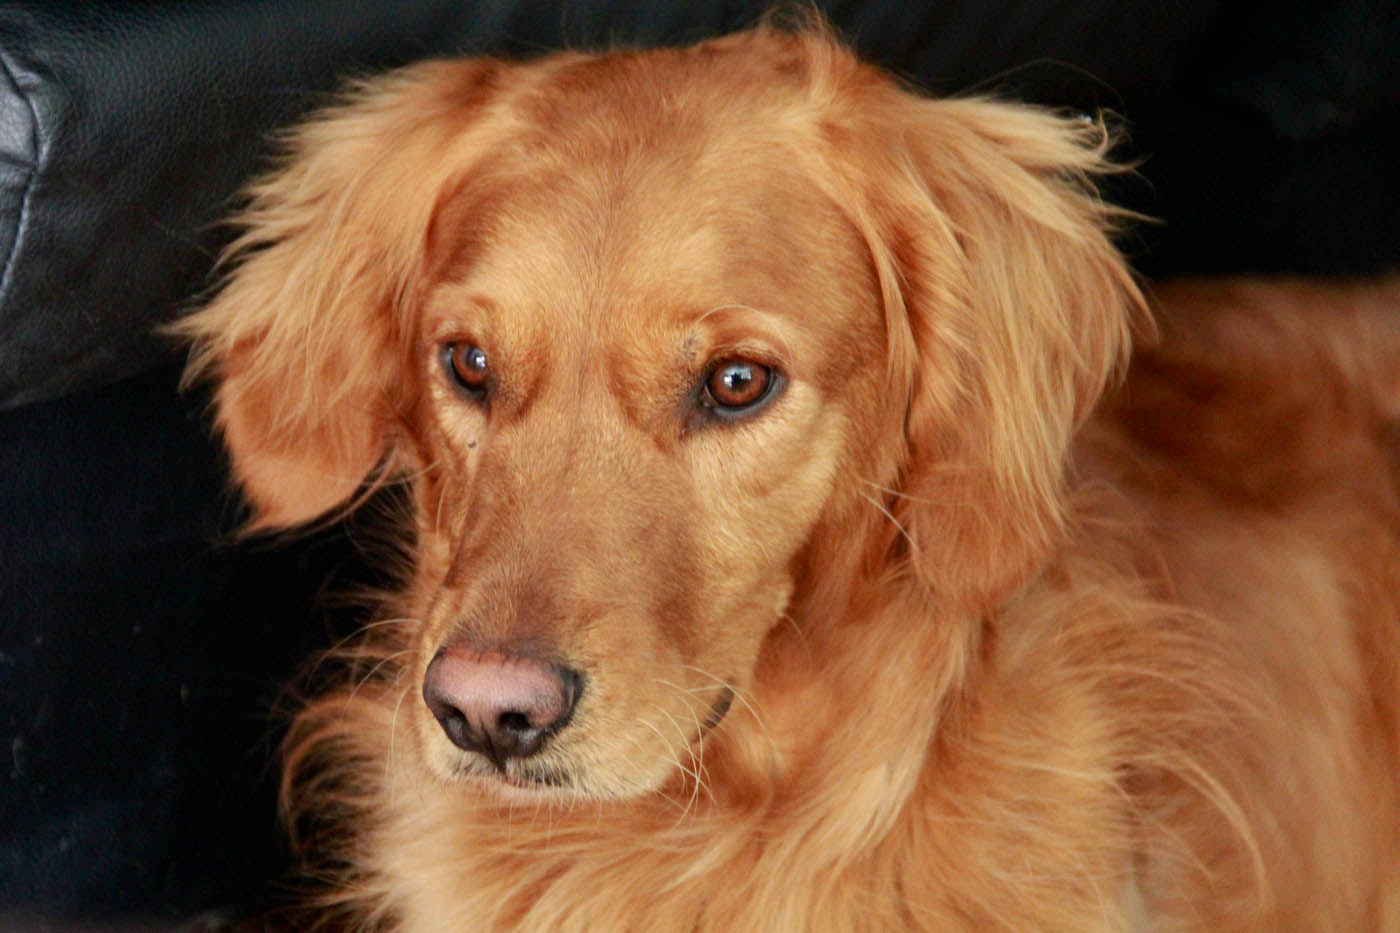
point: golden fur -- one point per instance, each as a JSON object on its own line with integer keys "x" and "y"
{"x": 1006, "y": 652}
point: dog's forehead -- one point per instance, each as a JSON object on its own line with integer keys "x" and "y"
{"x": 674, "y": 228}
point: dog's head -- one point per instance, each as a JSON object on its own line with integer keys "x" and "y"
{"x": 669, "y": 345}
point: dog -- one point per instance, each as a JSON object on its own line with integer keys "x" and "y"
{"x": 791, "y": 545}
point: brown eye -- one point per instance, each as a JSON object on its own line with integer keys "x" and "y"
{"x": 736, "y": 385}
{"x": 466, "y": 364}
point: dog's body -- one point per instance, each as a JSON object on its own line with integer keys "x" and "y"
{"x": 901, "y": 638}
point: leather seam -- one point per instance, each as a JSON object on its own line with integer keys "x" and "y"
{"x": 7, "y": 276}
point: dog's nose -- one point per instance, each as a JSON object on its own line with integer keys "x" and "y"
{"x": 500, "y": 706}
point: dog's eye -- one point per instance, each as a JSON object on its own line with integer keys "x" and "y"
{"x": 735, "y": 386}
{"x": 466, "y": 364}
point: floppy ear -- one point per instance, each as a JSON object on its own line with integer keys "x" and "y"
{"x": 1008, "y": 310}
{"x": 308, "y": 339}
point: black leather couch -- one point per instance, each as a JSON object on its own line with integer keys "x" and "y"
{"x": 142, "y": 651}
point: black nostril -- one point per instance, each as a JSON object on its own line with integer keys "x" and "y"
{"x": 572, "y": 682}
{"x": 456, "y": 727}
{"x": 514, "y": 722}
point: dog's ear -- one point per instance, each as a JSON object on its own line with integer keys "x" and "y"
{"x": 308, "y": 340}
{"x": 1008, "y": 309}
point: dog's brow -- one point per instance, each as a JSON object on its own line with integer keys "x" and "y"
{"x": 462, "y": 312}
{"x": 731, "y": 306}
{"x": 736, "y": 324}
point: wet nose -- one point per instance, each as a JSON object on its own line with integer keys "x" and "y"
{"x": 497, "y": 705}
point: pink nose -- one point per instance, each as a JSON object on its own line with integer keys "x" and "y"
{"x": 498, "y": 706}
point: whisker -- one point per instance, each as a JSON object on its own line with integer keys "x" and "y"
{"x": 424, "y": 471}
{"x": 896, "y": 493}
{"x": 675, "y": 759}
{"x": 914, "y": 547}
{"x": 365, "y": 630}
{"x": 739, "y": 694}
{"x": 801, "y": 634}
{"x": 743, "y": 698}
{"x": 697, "y": 758}
{"x": 389, "y": 781}
{"x": 437, "y": 515}
{"x": 377, "y": 667}
{"x": 697, "y": 770}
{"x": 637, "y": 784}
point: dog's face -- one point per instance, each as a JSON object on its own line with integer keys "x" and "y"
{"x": 637, "y": 401}
{"x": 667, "y": 343}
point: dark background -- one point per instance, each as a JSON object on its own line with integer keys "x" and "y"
{"x": 142, "y": 651}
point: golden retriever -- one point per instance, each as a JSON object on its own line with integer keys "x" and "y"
{"x": 786, "y": 552}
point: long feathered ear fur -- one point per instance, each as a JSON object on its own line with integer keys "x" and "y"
{"x": 1019, "y": 309}
{"x": 1008, "y": 310}
{"x": 307, "y": 340}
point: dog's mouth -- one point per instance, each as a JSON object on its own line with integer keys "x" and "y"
{"x": 545, "y": 776}
{"x": 718, "y": 709}
{"x": 527, "y": 776}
